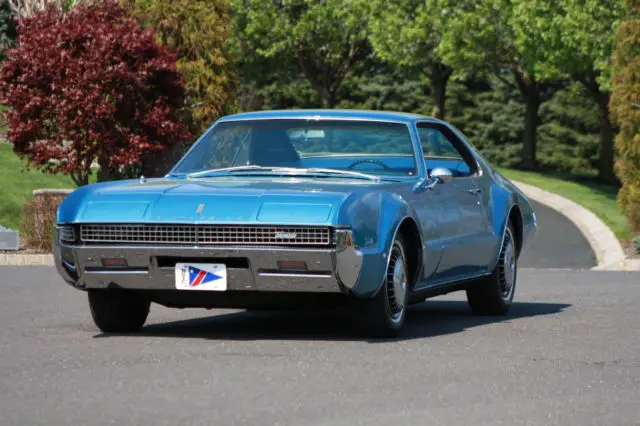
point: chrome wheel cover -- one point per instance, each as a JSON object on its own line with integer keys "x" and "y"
{"x": 507, "y": 266}
{"x": 397, "y": 285}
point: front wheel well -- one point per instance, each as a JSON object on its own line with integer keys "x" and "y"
{"x": 413, "y": 247}
{"x": 515, "y": 218}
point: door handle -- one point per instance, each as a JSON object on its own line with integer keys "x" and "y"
{"x": 475, "y": 191}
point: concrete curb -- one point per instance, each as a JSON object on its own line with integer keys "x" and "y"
{"x": 26, "y": 259}
{"x": 603, "y": 242}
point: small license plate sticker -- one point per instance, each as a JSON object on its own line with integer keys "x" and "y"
{"x": 201, "y": 276}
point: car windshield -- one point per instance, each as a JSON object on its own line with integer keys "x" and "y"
{"x": 372, "y": 148}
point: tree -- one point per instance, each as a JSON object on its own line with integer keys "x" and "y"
{"x": 91, "y": 85}
{"x": 506, "y": 38}
{"x": 326, "y": 39}
{"x": 199, "y": 31}
{"x": 584, "y": 34}
{"x": 625, "y": 106}
{"x": 407, "y": 34}
{"x": 7, "y": 28}
{"x": 28, "y": 8}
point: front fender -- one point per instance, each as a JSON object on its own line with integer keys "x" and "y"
{"x": 72, "y": 206}
{"x": 374, "y": 218}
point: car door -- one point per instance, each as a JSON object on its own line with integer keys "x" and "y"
{"x": 460, "y": 214}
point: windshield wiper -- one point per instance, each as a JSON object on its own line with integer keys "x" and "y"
{"x": 283, "y": 170}
{"x": 227, "y": 170}
{"x": 356, "y": 175}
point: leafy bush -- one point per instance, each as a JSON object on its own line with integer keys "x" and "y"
{"x": 636, "y": 244}
{"x": 625, "y": 107}
{"x": 90, "y": 85}
{"x": 39, "y": 219}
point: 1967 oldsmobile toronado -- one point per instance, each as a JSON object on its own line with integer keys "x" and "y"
{"x": 372, "y": 210}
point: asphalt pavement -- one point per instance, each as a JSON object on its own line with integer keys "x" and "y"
{"x": 568, "y": 354}
{"x": 558, "y": 243}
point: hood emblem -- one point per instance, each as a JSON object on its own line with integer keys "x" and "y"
{"x": 200, "y": 208}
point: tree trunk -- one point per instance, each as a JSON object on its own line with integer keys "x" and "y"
{"x": 531, "y": 91}
{"x": 440, "y": 98}
{"x": 606, "y": 154}
{"x": 80, "y": 179}
{"x": 327, "y": 98}
{"x": 439, "y": 77}
{"x": 530, "y": 133}
{"x": 105, "y": 173}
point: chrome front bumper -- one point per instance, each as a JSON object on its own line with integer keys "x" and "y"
{"x": 334, "y": 270}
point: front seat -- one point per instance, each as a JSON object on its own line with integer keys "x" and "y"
{"x": 273, "y": 148}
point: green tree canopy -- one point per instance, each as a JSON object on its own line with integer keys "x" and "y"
{"x": 509, "y": 39}
{"x": 584, "y": 36}
{"x": 408, "y": 34}
{"x": 199, "y": 30}
{"x": 324, "y": 39}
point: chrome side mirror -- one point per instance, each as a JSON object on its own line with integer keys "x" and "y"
{"x": 442, "y": 174}
{"x": 438, "y": 175}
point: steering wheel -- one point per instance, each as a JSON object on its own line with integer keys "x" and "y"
{"x": 376, "y": 162}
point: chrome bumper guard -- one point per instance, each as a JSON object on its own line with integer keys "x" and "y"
{"x": 330, "y": 270}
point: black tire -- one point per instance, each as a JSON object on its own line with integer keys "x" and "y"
{"x": 384, "y": 315}
{"x": 118, "y": 311}
{"x": 493, "y": 295}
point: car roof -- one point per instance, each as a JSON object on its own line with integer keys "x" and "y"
{"x": 311, "y": 114}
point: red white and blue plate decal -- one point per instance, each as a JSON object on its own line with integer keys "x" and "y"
{"x": 201, "y": 276}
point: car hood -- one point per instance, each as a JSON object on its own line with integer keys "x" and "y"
{"x": 286, "y": 201}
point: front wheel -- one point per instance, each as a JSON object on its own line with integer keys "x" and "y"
{"x": 494, "y": 294}
{"x": 118, "y": 311}
{"x": 384, "y": 315}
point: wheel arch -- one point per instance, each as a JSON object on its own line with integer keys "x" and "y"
{"x": 515, "y": 218}
{"x": 408, "y": 229}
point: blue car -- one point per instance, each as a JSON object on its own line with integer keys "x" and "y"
{"x": 294, "y": 209}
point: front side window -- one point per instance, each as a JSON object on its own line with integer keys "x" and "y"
{"x": 440, "y": 150}
{"x": 362, "y": 146}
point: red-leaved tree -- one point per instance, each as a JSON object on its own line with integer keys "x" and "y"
{"x": 90, "y": 85}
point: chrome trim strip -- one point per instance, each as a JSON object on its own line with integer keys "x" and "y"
{"x": 116, "y": 272}
{"x": 294, "y": 275}
{"x": 200, "y": 248}
{"x": 317, "y": 117}
{"x": 68, "y": 265}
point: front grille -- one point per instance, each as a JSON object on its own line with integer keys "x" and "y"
{"x": 206, "y": 235}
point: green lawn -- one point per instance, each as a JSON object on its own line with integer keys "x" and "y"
{"x": 597, "y": 197}
{"x": 17, "y": 184}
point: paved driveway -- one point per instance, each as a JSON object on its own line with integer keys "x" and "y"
{"x": 569, "y": 354}
{"x": 558, "y": 243}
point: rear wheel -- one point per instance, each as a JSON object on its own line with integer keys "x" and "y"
{"x": 384, "y": 315}
{"x": 118, "y": 311}
{"x": 494, "y": 294}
